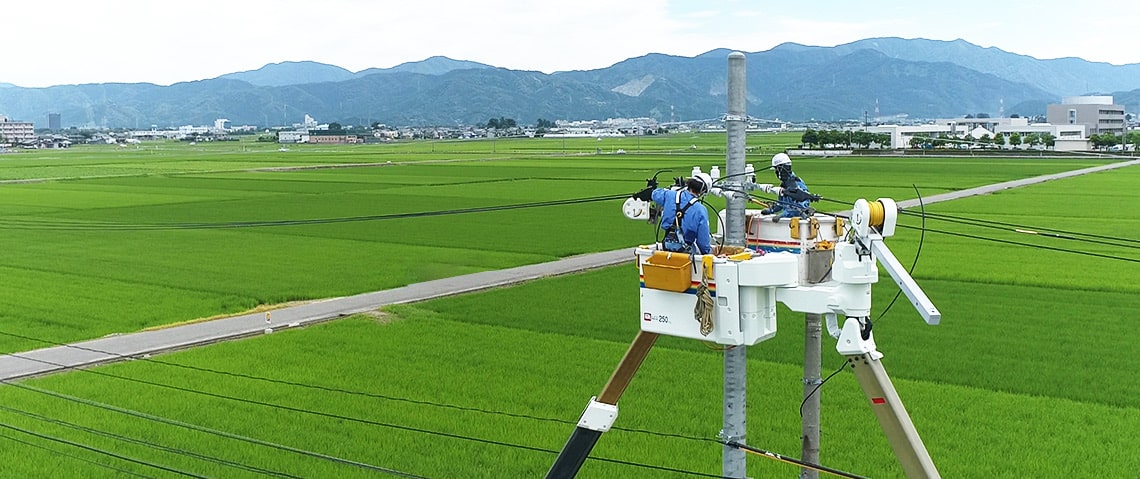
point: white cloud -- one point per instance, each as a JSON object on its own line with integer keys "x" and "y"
{"x": 78, "y": 41}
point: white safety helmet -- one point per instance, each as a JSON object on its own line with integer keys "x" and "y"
{"x": 781, "y": 159}
{"x": 705, "y": 180}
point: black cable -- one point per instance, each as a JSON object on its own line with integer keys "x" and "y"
{"x": 917, "y": 253}
{"x": 1018, "y": 243}
{"x": 792, "y": 461}
{"x": 321, "y": 414}
{"x": 203, "y": 429}
{"x": 334, "y": 389}
{"x": 1035, "y": 231}
{"x": 101, "y": 451}
{"x": 821, "y": 383}
{"x": 78, "y": 226}
{"x": 74, "y": 456}
{"x": 151, "y": 445}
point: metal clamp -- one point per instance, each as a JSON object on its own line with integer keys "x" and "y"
{"x": 598, "y": 416}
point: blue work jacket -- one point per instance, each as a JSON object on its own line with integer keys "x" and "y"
{"x": 790, "y": 208}
{"x": 695, "y": 222}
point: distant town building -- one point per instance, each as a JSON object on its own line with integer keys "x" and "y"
{"x": 221, "y": 125}
{"x": 1067, "y": 137}
{"x": 54, "y": 123}
{"x": 326, "y": 137}
{"x": 293, "y": 137}
{"x": 16, "y": 131}
{"x": 1097, "y": 113}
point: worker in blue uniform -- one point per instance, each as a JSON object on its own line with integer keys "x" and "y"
{"x": 684, "y": 220}
{"x": 793, "y": 199}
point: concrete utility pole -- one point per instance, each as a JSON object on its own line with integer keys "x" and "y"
{"x": 817, "y": 272}
{"x": 735, "y": 359}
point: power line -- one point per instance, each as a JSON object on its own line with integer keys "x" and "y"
{"x": 1050, "y": 232}
{"x": 160, "y": 447}
{"x": 306, "y": 411}
{"x": 91, "y": 226}
{"x": 333, "y": 389}
{"x": 101, "y": 451}
{"x": 206, "y": 430}
{"x": 1031, "y": 245}
{"x": 74, "y": 456}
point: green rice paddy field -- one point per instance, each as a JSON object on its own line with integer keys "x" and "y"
{"x": 1028, "y": 376}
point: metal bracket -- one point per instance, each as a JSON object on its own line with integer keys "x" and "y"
{"x": 598, "y": 416}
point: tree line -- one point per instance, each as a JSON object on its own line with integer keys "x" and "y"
{"x": 844, "y": 139}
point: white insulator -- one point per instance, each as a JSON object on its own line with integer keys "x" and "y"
{"x": 715, "y": 173}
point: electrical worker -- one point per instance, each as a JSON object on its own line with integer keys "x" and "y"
{"x": 793, "y": 199}
{"x": 684, "y": 219}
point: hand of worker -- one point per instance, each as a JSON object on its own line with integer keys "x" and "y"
{"x": 776, "y": 190}
{"x": 651, "y": 183}
{"x": 679, "y": 181}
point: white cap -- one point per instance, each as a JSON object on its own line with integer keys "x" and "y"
{"x": 781, "y": 159}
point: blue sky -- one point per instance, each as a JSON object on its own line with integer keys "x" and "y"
{"x": 79, "y": 41}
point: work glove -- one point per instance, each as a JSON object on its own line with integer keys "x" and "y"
{"x": 652, "y": 183}
{"x": 679, "y": 181}
{"x": 644, "y": 195}
{"x": 766, "y": 211}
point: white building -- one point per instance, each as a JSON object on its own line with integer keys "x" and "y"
{"x": 221, "y": 125}
{"x": 16, "y": 131}
{"x": 1067, "y": 137}
{"x": 293, "y": 137}
{"x": 1097, "y": 113}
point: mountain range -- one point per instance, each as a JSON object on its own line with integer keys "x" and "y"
{"x": 917, "y": 78}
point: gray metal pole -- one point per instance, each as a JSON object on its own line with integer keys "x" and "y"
{"x": 817, "y": 272}
{"x": 811, "y": 405}
{"x": 735, "y": 359}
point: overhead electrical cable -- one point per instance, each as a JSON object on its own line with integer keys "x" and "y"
{"x": 101, "y": 451}
{"x": 160, "y": 447}
{"x": 75, "y": 456}
{"x": 99, "y": 226}
{"x": 304, "y": 411}
{"x": 1035, "y": 230}
{"x": 333, "y": 389}
{"x": 203, "y": 429}
{"x": 1030, "y": 245}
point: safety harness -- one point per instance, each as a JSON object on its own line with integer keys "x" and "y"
{"x": 671, "y": 232}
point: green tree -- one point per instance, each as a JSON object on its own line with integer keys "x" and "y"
{"x": 1104, "y": 140}
{"x": 999, "y": 140}
{"x": 1133, "y": 138}
{"x": 883, "y": 139}
{"x": 919, "y": 141}
{"x": 1015, "y": 140}
{"x": 1048, "y": 140}
{"x": 335, "y": 127}
{"x": 810, "y": 137}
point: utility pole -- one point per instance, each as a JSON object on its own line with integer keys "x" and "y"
{"x": 735, "y": 358}
{"x": 817, "y": 271}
